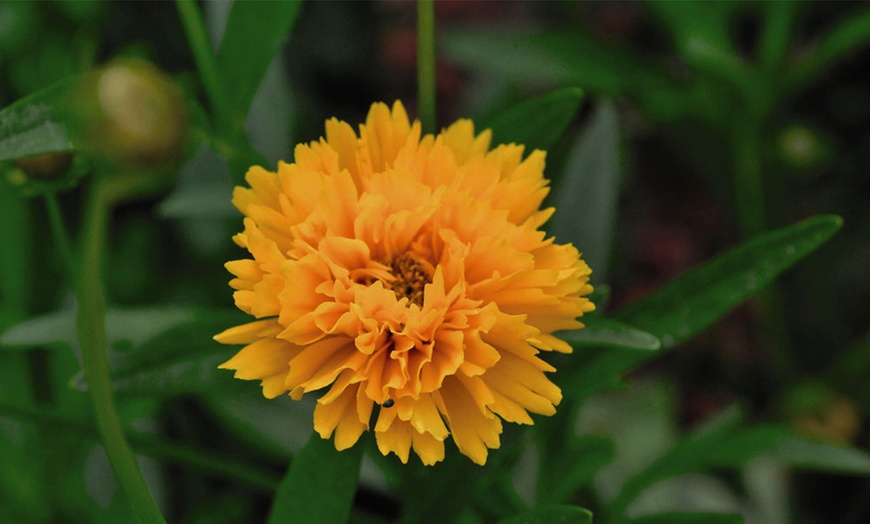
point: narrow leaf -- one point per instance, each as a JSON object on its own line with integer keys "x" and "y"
{"x": 552, "y": 515}
{"x": 253, "y": 34}
{"x": 537, "y": 123}
{"x": 701, "y": 33}
{"x": 689, "y": 518}
{"x": 39, "y": 331}
{"x": 783, "y": 444}
{"x": 601, "y": 331}
{"x": 15, "y": 257}
{"x": 849, "y": 34}
{"x": 587, "y": 196}
{"x": 181, "y": 358}
{"x": 130, "y": 326}
{"x": 319, "y": 486}
{"x": 567, "y": 58}
{"x": 593, "y": 370}
{"x": 721, "y": 443}
{"x": 573, "y": 467}
{"x": 698, "y": 298}
{"x": 38, "y": 123}
{"x": 688, "y": 455}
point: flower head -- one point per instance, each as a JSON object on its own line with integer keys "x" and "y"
{"x": 406, "y": 272}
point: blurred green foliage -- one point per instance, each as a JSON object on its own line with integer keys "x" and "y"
{"x": 720, "y": 135}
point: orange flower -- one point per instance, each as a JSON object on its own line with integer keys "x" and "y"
{"x": 406, "y": 272}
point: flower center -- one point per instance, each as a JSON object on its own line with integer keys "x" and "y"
{"x": 412, "y": 273}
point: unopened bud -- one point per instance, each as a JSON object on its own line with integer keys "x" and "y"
{"x": 48, "y": 166}
{"x": 135, "y": 115}
{"x": 822, "y": 413}
{"x": 803, "y": 148}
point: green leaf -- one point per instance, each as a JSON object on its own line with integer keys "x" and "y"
{"x": 123, "y": 326}
{"x": 695, "y": 300}
{"x": 573, "y": 467}
{"x": 698, "y": 298}
{"x": 155, "y": 351}
{"x": 38, "y": 123}
{"x": 593, "y": 370}
{"x": 783, "y": 444}
{"x": 537, "y": 123}
{"x": 253, "y": 34}
{"x": 566, "y": 58}
{"x": 181, "y": 358}
{"x": 204, "y": 189}
{"x": 587, "y": 195}
{"x": 701, "y": 33}
{"x": 721, "y": 443}
{"x": 690, "y": 454}
{"x": 606, "y": 332}
{"x": 849, "y": 34}
{"x": 689, "y": 518}
{"x": 319, "y": 486}
{"x": 15, "y": 257}
{"x": 552, "y": 515}
{"x": 186, "y": 454}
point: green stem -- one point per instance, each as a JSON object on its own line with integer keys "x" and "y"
{"x": 426, "y": 63}
{"x": 777, "y": 34}
{"x": 752, "y": 211}
{"x": 225, "y": 466}
{"x": 846, "y": 37}
{"x": 749, "y": 186}
{"x": 92, "y": 338}
{"x": 58, "y": 230}
{"x": 203, "y": 54}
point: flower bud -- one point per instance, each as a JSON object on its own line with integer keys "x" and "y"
{"x": 47, "y": 166}
{"x": 134, "y": 114}
{"x": 803, "y": 148}
{"x": 817, "y": 411}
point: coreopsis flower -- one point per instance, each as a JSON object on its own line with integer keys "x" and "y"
{"x": 405, "y": 277}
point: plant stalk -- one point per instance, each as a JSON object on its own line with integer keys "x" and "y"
{"x": 91, "y": 312}
{"x": 206, "y": 63}
{"x": 426, "y": 63}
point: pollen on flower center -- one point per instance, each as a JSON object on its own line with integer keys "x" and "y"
{"x": 411, "y": 273}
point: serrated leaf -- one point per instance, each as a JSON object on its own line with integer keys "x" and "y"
{"x": 253, "y": 34}
{"x": 688, "y": 518}
{"x": 607, "y": 332}
{"x": 319, "y": 485}
{"x": 701, "y": 296}
{"x": 587, "y": 196}
{"x": 537, "y": 123}
{"x": 38, "y": 123}
{"x": 552, "y": 515}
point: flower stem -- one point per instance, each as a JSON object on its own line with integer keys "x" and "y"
{"x": 752, "y": 211}
{"x": 92, "y": 338}
{"x": 426, "y": 63}
{"x": 58, "y": 230}
{"x": 227, "y": 466}
{"x": 749, "y": 187}
{"x": 204, "y": 55}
